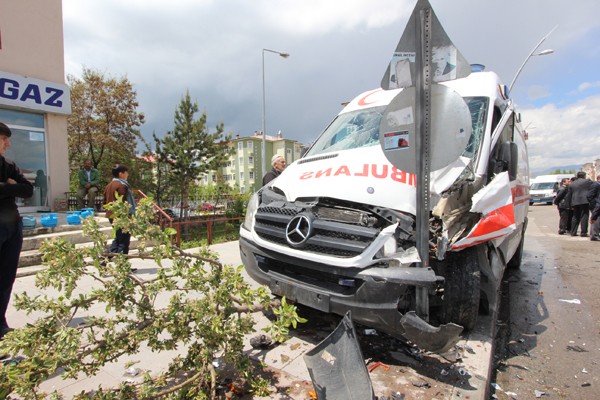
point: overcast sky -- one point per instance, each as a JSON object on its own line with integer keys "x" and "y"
{"x": 338, "y": 49}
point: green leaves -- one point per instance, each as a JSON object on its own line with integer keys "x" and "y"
{"x": 287, "y": 316}
{"x": 91, "y": 311}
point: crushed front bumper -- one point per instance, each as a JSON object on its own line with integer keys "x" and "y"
{"x": 372, "y": 295}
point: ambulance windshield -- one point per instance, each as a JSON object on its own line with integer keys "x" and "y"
{"x": 350, "y": 131}
{"x": 360, "y": 128}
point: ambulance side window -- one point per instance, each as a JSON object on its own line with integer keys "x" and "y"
{"x": 504, "y": 157}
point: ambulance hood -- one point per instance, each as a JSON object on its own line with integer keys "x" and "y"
{"x": 360, "y": 175}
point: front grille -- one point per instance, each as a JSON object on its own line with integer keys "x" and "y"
{"x": 328, "y": 237}
{"x": 295, "y": 271}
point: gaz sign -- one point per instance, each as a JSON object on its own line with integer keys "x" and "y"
{"x": 34, "y": 94}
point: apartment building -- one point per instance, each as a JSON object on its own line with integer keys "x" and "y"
{"x": 243, "y": 168}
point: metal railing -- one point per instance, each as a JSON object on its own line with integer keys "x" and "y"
{"x": 162, "y": 218}
{"x": 210, "y": 224}
{"x": 210, "y": 227}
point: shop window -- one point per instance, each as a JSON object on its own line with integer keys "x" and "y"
{"x": 28, "y": 150}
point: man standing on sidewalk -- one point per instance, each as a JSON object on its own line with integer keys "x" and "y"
{"x": 578, "y": 191}
{"x": 594, "y": 199}
{"x": 12, "y": 184}
{"x": 119, "y": 186}
{"x": 563, "y": 202}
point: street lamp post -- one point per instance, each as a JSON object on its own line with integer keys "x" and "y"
{"x": 533, "y": 53}
{"x": 264, "y": 119}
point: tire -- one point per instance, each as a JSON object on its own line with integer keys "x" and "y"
{"x": 515, "y": 261}
{"x": 462, "y": 288}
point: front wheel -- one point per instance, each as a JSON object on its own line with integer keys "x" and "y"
{"x": 462, "y": 288}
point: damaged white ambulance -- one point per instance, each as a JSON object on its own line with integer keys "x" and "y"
{"x": 336, "y": 231}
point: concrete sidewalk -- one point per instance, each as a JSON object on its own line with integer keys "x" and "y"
{"x": 286, "y": 359}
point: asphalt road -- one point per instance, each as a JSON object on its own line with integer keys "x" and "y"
{"x": 548, "y": 344}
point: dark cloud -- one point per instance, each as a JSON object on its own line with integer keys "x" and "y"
{"x": 214, "y": 50}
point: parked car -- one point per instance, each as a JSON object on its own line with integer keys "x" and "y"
{"x": 206, "y": 206}
{"x": 544, "y": 188}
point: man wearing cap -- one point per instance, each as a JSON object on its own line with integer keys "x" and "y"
{"x": 12, "y": 184}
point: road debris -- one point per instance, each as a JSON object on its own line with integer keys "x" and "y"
{"x": 467, "y": 348}
{"x": 573, "y": 301}
{"x": 132, "y": 371}
{"x": 373, "y": 366}
{"x": 261, "y": 341}
{"x": 395, "y": 396}
{"x": 577, "y": 349}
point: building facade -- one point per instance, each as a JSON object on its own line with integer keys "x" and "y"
{"x": 591, "y": 169}
{"x": 34, "y": 99}
{"x": 243, "y": 168}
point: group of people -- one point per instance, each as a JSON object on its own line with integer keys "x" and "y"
{"x": 13, "y": 184}
{"x": 576, "y": 199}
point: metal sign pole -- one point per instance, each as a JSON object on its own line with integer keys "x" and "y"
{"x": 437, "y": 133}
{"x": 423, "y": 129}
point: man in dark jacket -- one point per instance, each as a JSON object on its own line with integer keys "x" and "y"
{"x": 12, "y": 184}
{"x": 563, "y": 202}
{"x": 578, "y": 191}
{"x": 593, "y": 192}
{"x": 595, "y": 219}
{"x": 278, "y": 163}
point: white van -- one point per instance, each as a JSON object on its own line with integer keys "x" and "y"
{"x": 336, "y": 230}
{"x": 543, "y": 188}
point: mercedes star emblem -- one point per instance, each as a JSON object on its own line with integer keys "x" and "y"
{"x": 298, "y": 230}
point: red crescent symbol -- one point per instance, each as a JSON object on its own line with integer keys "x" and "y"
{"x": 364, "y": 102}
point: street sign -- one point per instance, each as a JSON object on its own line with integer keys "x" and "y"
{"x": 449, "y": 134}
{"x": 424, "y": 57}
{"x": 447, "y": 62}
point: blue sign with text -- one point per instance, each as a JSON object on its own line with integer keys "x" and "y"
{"x": 34, "y": 94}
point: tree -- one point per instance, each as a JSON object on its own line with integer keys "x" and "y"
{"x": 190, "y": 150}
{"x": 209, "y": 311}
{"x": 141, "y": 174}
{"x": 103, "y": 123}
{"x": 162, "y": 188}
